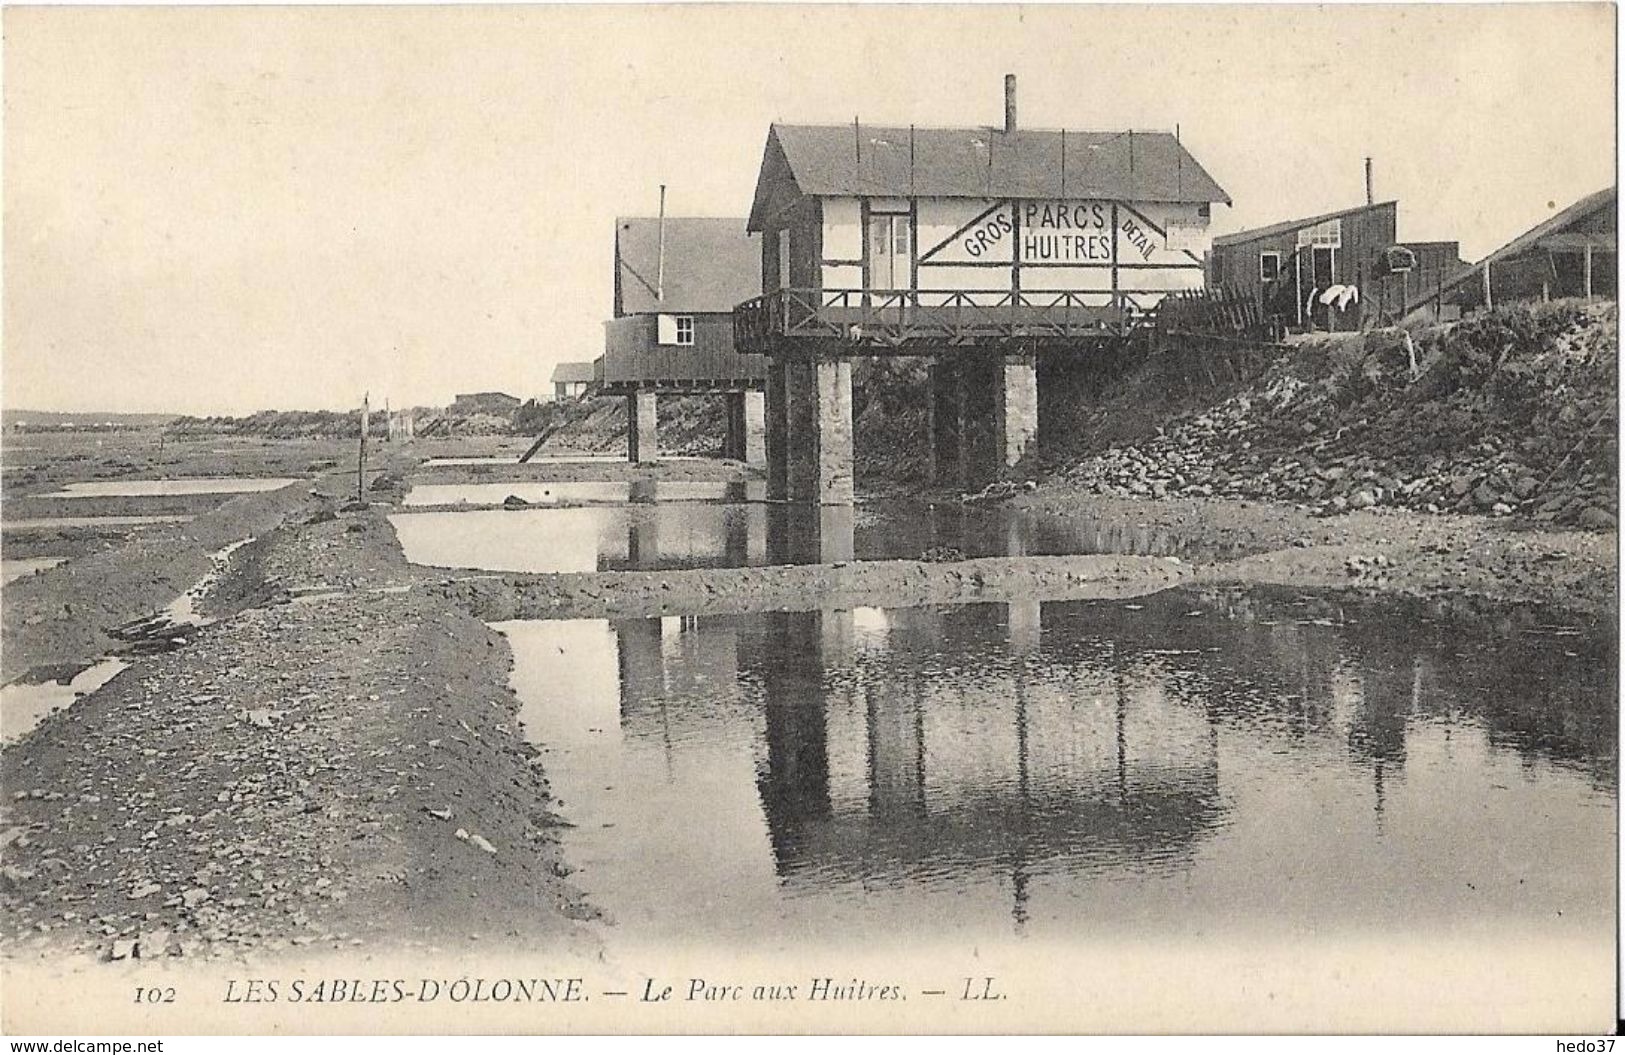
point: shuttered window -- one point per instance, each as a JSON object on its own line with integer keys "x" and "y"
{"x": 674, "y": 329}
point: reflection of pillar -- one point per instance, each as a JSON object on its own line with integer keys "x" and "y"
{"x": 753, "y": 426}
{"x": 1015, "y": 534}
{"x": 835, "y": 635}
{"x": 896, "y": 727}
{"x": 1025, "y": 624}
{"x": 642, "y": 539}
{"x": 1122, "y": 732}
{"x": 945, "y": 428}
{"x": 780, "y": 521}
{"x": 811, "y": 534}
{"x": 793, "y": 779}
{"x": 1018, "y": 863}
{"x": 756, "y": 533}
{"x": 837, "y": 528}
{"x": 642, "y": 668}
{"x": 1015, "y": 408}
{"x": 736, "y": 536}
{"x": 777, "y": 437}
{"x": 642, "y": 433}
{"x": 819, "y": 400}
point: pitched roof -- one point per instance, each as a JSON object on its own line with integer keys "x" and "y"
{"x": 572, "y": 373}
{"x": 986, "y": 162}
{"x": 1253, "y": 234}
{"x": 1578, "y": 211}
{"x": 711, "y": 264}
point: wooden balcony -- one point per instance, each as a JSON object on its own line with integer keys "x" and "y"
{"x": 871, "y": 322}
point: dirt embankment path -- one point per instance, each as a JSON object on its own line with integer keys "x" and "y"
{"x": 61, "y": 617}
{"x": 672, "y": 471}
{"x": 896, "y": 583}
{"x": 341, "y": 770}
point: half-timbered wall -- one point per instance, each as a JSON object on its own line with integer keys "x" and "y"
{"x": 993, "y": 246}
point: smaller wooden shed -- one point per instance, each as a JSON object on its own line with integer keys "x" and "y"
{"x": 1572, "y": 254}
{"x": 1290, "y": 266}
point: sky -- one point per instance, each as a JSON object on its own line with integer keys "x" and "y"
{"x": 223, "y": 210}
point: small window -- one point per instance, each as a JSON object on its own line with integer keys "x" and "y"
{"x": 1327, "y": 233}
{"x": 1269, "y": 267}
{"x": 674, "y": 329}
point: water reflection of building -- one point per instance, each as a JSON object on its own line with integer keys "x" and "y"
{"x": 881, "y": 766}
{"x": 1017, "y": 742}
{"x": 877, "y": 765}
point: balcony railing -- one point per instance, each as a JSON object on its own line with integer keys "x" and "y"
{"x": 902, "y": 318}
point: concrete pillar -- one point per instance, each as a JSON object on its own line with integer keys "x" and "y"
{"x": 946, "y": 428}
{"x": 642, "y": 432}
{"x": 979, "y": 381}
{"x": 753, "y": 427}
{"x": 801, "y": 443}
{"x": 747, "y": 423}
{"x": 1015, "y": 407}
{"x": 730, "y": 430}
{"x": 777, "y": 432}
{"x": 819, "y": 399}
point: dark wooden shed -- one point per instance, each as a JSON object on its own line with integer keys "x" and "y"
{"x": 1288, "y": 266}
{"x": 1573, "y": 254}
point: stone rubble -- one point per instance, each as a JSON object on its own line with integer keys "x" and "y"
{"x": 1509, "y": 415}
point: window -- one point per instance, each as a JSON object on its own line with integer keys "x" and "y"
{"x": 674, "y": 329}
{"x": 1327, "y": 233}
{"x": 1269, "y": 267}
{"x": 784, "y": 259}
{"x": 890, "y": 254}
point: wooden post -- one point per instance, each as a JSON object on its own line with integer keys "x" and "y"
{"x": 361, "y": 457}
{"x": 1297, "y": 281}
{"x": 1588, "y": 271}
{"x": 1489, "y": 298}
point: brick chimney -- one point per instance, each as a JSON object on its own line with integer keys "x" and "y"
{"x": 1009, "y": 103}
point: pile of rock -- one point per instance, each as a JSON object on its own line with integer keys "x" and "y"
{"x": 1530, "y": 431}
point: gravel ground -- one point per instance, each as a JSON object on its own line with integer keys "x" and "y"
{"x": 335, "y": 771}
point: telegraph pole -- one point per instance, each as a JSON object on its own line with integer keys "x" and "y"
{"x": 361, "y": 458}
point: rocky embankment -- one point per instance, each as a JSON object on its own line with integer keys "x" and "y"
{"x": 336, "y": 764}
{"x": 1509, "y": 414}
